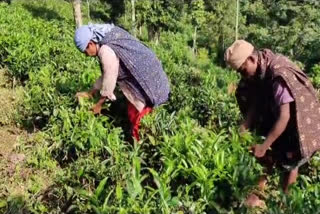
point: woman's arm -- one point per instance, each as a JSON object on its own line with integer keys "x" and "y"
{"x": 110, "y": 68}
{"x": 107, "y": 82}
{"x": 277, "y": 129}
{"x": 279, "y": 126}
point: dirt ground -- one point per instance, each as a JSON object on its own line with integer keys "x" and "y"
{"x": 10, "y": 134}
{"x": 17, "y": 177}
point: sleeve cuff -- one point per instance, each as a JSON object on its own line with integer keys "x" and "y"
{"x": 110, "y": 96}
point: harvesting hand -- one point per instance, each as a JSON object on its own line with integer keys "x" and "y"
{"x": 259, "y": 150}
{"x": 243, "y": 129}
{"x": 98, "y": 106}
{"x": 96, "y": 109}
{"x": 83, "y": 95}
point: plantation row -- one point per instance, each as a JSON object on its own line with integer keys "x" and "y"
{"x": 191, "y": 159}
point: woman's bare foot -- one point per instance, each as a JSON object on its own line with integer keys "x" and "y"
{"x": 254, "y": 201}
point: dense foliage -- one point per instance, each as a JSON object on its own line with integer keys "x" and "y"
{"x": 191, "y": 158}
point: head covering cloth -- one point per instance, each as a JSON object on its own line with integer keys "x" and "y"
{"x": 237, "y": 53}
{"x": 90, "y": 32}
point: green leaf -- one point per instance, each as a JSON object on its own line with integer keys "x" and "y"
{"x": 119, "y": 192}
{"x": 100, "y": 187}
{"x": 3, "y": 203}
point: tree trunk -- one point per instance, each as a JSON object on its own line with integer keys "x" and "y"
{"x": 133, "y": 18}
{"x": 157, "y": 35}
{"x": 88, "y": 9}
{"x": 237, "y": 20}
{"x": 77, "y": 12}
{"x": 194, "y": 46}
{"x": 150, "y": 32}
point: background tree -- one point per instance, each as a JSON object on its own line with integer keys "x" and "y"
{"x": 77, "y": 12}
{"x": 198, "y": 17}
{"x": 211, "y": 24}
{"x": 133, "y": 17}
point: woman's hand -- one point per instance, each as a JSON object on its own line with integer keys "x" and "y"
{"x": 98, "y": 106}
{"x": 243, "y": 128}
{"x": 96, "y": 109}
{"x": 83, "y": 95}
{"x": 86, "y": 94}
{"x": 259, "y": 150}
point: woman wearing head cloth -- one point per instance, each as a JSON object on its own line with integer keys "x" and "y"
{"x": 279, "y": 102}
{"x": 125, "y": 61}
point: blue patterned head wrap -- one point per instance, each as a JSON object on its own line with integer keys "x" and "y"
{"x": 94, "y": 32}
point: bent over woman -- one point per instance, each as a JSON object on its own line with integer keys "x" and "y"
{"x": 127, "y": 62}
{"x": 279, "y": 102}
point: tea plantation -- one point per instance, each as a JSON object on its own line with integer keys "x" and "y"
{"x": 190, "y": 158}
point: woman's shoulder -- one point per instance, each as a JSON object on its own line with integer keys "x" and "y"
{"x": 105, "y": 51}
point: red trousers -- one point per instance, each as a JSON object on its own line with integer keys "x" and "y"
{"x": 135, "y": 118}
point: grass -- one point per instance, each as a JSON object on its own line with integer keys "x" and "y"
{"x": 10, "y": 99}
{"x": 19, "y": 180}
